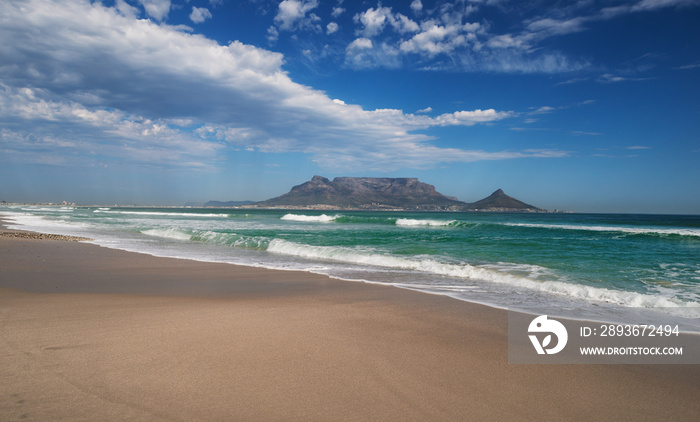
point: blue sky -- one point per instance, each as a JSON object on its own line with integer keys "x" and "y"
{"x": 591, "y": 106}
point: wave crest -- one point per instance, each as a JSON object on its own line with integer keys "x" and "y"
{"x": 415, "y": 223}
{"x": 467, "y": 271}
{"x": 323, "y": 218}
{"x": 622, "y": 229}
{"x": 168, "y": 234}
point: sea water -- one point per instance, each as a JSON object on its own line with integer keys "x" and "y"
{"x": 592, "y": 266}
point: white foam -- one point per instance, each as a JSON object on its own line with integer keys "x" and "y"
{"x": 22, "y": 221}
{"x": 467, "y": 271}
{"x": 323, "y": 218}
{"x": 414, "y": 222}
{"x": 49, "y": 209}
{"x": 158, "y": 213}
{"x": 168, "y": 234}
{"x": 623, "y": 229}
{"x": 231, "y": 239}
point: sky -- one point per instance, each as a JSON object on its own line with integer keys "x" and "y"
{"x": 588, "y": 106}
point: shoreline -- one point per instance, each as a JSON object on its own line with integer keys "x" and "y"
{"x": 96, "y": 333}
{"x": 611, "y": 318}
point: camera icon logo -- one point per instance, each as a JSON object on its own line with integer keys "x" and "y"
{"x": 543, "y": 325}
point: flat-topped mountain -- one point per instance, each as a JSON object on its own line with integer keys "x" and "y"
{"x": 383, "y": 193}
{"x": 365, "y": 193}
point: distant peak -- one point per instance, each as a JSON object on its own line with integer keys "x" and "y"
{"x": 498, "y": 192}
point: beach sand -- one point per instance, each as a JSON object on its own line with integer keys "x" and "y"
{"x": 88, "y": 333}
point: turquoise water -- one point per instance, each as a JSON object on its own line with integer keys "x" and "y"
{"x": 581, "y": 265}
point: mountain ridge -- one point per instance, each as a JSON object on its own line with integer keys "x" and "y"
{"x": 364, "y": 193}
{"x": 383, "y": 193}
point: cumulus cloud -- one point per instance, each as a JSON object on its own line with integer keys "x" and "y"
{"x": 200, "y": 14}
{"x": 332, "y": 27}
{"x": 337, "y": 11}
{"x": 126, "y": 9}
{"x": 436, "y": 39}
{"x": 360, "y": 44}
{"x": 294, "y": 14}
{"x": 84, "y": 80}
{"x": 416, "y": 6}
{"x": 446, "y": 38}
{"x": 452, "y": 36}
{"x": 157, "y": 9}
{"x": 374, "y": 21}
{"x": 469, "y": 118}
{"x": 69, "y": 130}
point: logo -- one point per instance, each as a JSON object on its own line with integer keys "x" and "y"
{"x": 543, "y": 325}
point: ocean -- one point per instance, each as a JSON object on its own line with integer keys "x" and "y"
{"x": 606, "y": 267}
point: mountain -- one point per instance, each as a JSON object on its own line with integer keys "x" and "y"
{"x": 374, "y": 193}
{"x": 365, "y": 193}
{"x": 499, "y": 201}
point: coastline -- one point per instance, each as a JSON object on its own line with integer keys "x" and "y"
{"x": 96, "y": 333}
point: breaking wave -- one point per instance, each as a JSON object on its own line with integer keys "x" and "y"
{"x": 168, "y": 234}
{"x": 323, "y": 218}
{"x": 621, "y": 229}
{"x": 159, "y": 213}
{"x": 414, "y": 223}
{"x": 473, "y": 272}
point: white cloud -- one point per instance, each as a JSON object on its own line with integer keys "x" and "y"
{"x": 157, "y": 9}
{"x": 332, "y": 27}
{"x": 646, "y": 5}
{"x": 360, "y": 44}
{"x": 608, "y": 78}
{"x": 102, "y": 132}
{"x": 404, "y": 25}
{"x": 126, "y": 9}
{"x": 272, "y": 34}
{"x": 416, "y": 6}
{"x": 337, "y": 11}
{"x": 292, "y": 14}
{"x": 435, "y": 39}
{"x": 373, "y": 20}
{"x": 550, "y": 27}
{"x": 469, "y": 118}
{"x": 584, "y": 133}
{"x": 87, "y": 81}
{"x": 200, "y": 14}
{"x": 543, "y": 110}
{"x": 363, "y": 53}
{"x": 445, "y": 38}
{"x": 689, "y": 66}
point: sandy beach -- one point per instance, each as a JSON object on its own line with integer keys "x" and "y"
{"x": 89, "y": 333}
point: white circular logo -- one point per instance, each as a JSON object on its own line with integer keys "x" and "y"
{"x": 543, "y": 325}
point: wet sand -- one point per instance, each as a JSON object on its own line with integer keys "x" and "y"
{"x": 88, "y": 333}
